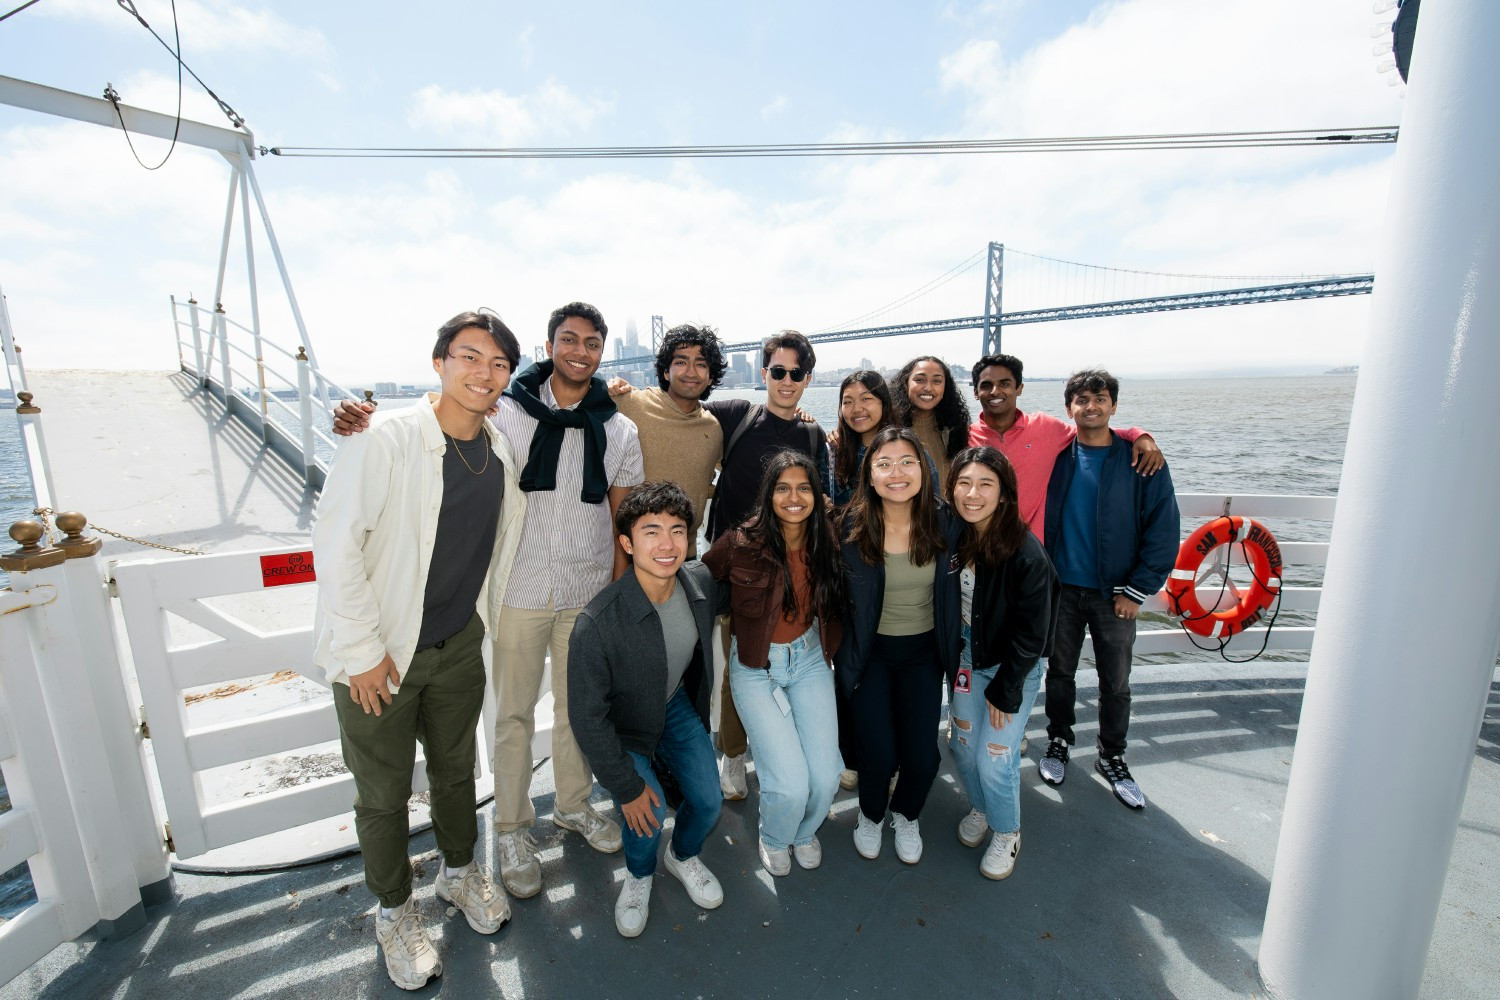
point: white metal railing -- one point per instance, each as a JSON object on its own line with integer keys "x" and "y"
{"x": 41, "y": 828}
{"x": 286, "y": 405}
{"x": 156, "y": 593}
{"x": 33, "y": 445}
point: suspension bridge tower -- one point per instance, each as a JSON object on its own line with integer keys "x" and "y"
{"x": 994, "y": 280}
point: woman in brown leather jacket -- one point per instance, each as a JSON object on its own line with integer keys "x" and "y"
{"x": 786, "y": 605}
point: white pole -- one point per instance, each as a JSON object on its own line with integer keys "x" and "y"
{"x": 177, "y": 332}
{"x": 1392, "y": 712}
{"x": 234, "y": 178}
{"x": 225, "y": 373}
{"x": 14, "y": 368}
{"x": 286, "y": 279}
{"x": 305, "y": 415}
{"x": 202, "y": 371}
{"x": 260, "y": 361}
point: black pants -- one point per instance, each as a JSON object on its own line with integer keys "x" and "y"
{"x": 895, "y": 710}
{"x": 1114, "y": 639}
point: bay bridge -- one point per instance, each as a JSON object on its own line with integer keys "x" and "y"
{"x": 1212, "y": 291}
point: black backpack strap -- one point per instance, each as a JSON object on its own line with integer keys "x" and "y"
{"x": 744, "y": 425}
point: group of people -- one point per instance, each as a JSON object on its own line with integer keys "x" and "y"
{"x": 855, "y": 578}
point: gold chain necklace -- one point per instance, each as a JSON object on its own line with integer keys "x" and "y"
{"x": 479, "y": 471}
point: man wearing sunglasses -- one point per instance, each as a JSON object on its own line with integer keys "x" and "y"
{"x": 752, "y": 433}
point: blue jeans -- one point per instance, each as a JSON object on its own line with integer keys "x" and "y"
{"x": 796, "y": 749}
{"x": 687, "y": 751}
{"x": 988, "y": 760}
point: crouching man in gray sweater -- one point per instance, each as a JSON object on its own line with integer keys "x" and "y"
{"x": 638, "y": 693}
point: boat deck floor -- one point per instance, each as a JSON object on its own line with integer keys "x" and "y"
{"x": 1104, "y": 902}
{"x": 148, "y": 454}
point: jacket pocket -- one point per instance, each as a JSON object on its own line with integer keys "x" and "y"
{"x": 749, "y": 589}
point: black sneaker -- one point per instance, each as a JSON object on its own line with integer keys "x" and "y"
{"x": 1118, "y": 775}
{"x": 1054, "y": 764}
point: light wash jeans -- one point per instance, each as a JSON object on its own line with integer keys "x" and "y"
{"x": 988, "y": 760}
{"x": 687, "y": 751}
{"x": 796, "y": 750}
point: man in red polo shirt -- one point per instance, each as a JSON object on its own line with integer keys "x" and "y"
{"x": 1032, "y": 441}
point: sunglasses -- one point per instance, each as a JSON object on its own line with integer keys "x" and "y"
{"x": 777, "y": 373}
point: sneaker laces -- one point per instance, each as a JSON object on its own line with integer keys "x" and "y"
{"x": 635, "y": 891}
{"x": 477, "y": 886}
{"x": 408, "y": 934}
{"x": 694, "y": 869}
{"x": 592, "y": 822}
{"x": 1115, "y": 769}
{"x": 513, "y": 845}
{"x": 1057, "y": 750}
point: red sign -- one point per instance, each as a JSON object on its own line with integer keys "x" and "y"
{"x": 289, "y": 567}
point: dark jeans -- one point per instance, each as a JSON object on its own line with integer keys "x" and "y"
{"x": 438, "y": 706}
{"x": 895, "y": 710}
{"x": 1113, "y": 638}
{"x": 689, "y": 754}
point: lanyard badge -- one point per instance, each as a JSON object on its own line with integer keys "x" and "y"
{"x": 961, "y": 681}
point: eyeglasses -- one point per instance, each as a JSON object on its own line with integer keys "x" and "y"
{"x": 885, "y": 466}
{"x": 777, "y": 373}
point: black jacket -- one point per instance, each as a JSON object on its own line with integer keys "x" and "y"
{"x": 1012, "y": 619}
{"x": 617, "y": 675}
{"x": 867, "y": 593}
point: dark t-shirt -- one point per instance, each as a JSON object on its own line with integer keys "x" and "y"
{"x": 737, "y": 491}
{"x": 466, "y": 528}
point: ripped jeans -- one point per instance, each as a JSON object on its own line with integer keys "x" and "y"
{"x": 988, "y": 760}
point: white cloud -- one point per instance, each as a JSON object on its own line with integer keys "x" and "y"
{"x": 481, "y": 117}
{"x": 205, "y": 25}
{"x": 775, "y": 106}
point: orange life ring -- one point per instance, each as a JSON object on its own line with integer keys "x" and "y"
{"x": 1261, "y": 552}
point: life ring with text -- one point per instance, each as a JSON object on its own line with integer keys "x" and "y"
{"x": 1263, "y": 555}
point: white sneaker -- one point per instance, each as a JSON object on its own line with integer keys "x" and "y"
{"x": 972, "y": 828}
{"x": 701, "y": 886}
{"x": 474, "y": 893}
{"x": 732, "y": 778}
{"x": 808, "y": 855}
{"x": 601, "y": 832}
{"x": 908, "y": 838}
{"x": 1000, "y": 858}
{"x": 867, "y": 837}
{"x": 777, "y": 860}
{"x": 520, "y": 869}
{"x": 410, "y": 958}
{"x": 848, "y": 779}
{"x": 633, "y": 907}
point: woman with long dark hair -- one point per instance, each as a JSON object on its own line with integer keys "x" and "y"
{"x": 1009, "y": 595}
{"x": 864, "y": 409}
{"x": 787, "y": 601}
{"x": 926, "y": 400}
{"x": 901, "y": 637}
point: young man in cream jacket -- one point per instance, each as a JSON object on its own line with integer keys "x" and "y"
{"x": 414, "y": 539}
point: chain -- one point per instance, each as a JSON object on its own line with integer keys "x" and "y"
{"x": 45, "y": 513}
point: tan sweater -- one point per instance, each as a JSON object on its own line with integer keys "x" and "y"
{"x": 683, "y": 448}
{"x": 933, "y": 439}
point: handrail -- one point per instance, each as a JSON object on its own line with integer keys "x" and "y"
{"x": 217, "y": 342}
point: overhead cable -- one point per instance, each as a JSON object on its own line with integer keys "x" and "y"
{"x": 13, "y": 13}
{"x": 129, "y": 7}
{"x": 113, "y": 96}
{"x": 1364, "y": 135}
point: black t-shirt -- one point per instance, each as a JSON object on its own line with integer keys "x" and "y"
{"x": 473, "y": 486}
{"x": 737, "y": 491}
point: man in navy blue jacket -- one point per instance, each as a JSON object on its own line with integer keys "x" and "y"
{"x": 1113, "y": 537}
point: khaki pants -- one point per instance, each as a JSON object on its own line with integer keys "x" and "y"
{"x": 437, "y": 704}
{"x": 521, "y": 650}
{"x": 732, "y": 739}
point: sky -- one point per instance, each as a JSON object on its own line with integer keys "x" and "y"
{"x": 380, "y": 252}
